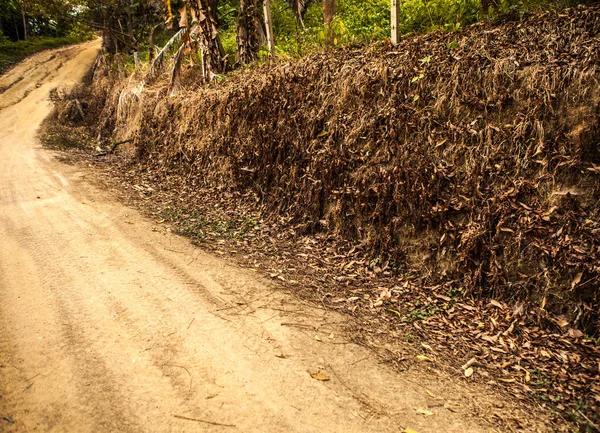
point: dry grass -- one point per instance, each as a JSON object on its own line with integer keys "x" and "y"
{"x": 470, "y": 160}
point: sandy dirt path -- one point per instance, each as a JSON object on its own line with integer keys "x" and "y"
{"x": 108, "y": 323}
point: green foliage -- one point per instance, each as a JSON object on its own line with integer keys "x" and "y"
{"x": 290, "y": 38}
{"x": 366, "y": 21}
{"x": 421, "y": 15}
{"x": 362, "y": 21}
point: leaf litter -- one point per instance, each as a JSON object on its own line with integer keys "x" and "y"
{"x": 466, "y": 219}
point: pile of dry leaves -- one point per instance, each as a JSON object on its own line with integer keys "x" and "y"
{"x": 444, "y": 190}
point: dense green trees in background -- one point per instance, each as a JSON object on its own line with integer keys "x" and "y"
{"x": 22, "y": 19}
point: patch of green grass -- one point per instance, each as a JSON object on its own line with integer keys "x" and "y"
{"x": 170, "y": 214}
{"x": 423, "y": 312}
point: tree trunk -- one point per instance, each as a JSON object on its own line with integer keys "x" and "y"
{"x": 248, "y": 32}
{"x": 130, "y": 23}
{"x": 24, "y": 25}
{"x": 328, "y": 15}
{"x": 269, "y": 27}
{"x": 213, "y": 54}
{"x": 395, "y": 22}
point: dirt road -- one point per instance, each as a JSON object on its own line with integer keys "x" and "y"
{"x": 108, "y": 323}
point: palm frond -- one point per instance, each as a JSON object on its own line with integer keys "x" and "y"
{"x": 176, "y": 73}
{"x": 159, "y": 60}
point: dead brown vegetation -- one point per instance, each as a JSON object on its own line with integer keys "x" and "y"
{"x": 484, "y": 145}
{"x": 469, "y": 161}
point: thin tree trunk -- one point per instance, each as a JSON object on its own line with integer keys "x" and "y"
{"x": 328, "y": 15}
{"x": 24, "y": 25}
{"x": 395, "y": 18}
{"x": 269, "y": 27}
{"x": 130, "y": 23}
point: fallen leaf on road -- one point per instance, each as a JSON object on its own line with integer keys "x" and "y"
{"x": 319, "y": 376}
{"x": 424, "y": 358}
{"x": 409, "y": 430}
{"x": 219, "y": 384}
{"x": 424, "y": 412}
{"x": 469, "y": 372}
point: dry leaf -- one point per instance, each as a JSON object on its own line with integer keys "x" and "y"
{"x": 282, "y": 356}
{"x": 219, "y": 384}
{"x": 424, "y": 358}
{"x": 319, "y": 376}
{"x": 318, "y": 338}
{"x": 508, "y": 380}
{"x": 496, "y": 304}
{"x": 469, "y": 372}
{"x": 409, "y": 430}
{"x": 424, "y": 412}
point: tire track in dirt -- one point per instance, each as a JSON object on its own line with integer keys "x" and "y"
{"x": 16, "y": 84}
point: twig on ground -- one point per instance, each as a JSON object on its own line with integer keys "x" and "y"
{"x": 114, "y": 147}
{"x": 204, "y": 421}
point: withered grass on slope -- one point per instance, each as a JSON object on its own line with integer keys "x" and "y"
{"x": 484, "y": 145}
{"x": 467, "y": 161}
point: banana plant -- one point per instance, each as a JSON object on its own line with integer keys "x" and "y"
{"x": 197, "y": 31}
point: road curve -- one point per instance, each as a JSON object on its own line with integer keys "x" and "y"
{"x": 109, "y": 323}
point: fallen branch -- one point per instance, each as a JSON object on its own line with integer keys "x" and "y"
{"x": 114, "y": 147}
